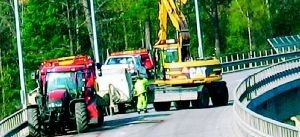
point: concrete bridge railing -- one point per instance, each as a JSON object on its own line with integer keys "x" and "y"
{"x": 250, "y": 123}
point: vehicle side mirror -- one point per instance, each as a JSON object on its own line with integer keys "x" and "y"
{"x": 98, "y": 65}
{"x": 34, "y": 75}
{"x": 83, "y": 88}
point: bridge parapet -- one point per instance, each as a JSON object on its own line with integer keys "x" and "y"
{"x": 253, "y": 124}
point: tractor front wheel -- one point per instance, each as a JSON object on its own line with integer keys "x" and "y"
{"x": 33, "y": 122}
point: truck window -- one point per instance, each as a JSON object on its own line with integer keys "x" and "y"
{"x": 120, "y": 60}
{"x": 138, "y": 61}
{"x": 170, "y": 55}
{"x": 80, "y": 81}
{"x": 112, "y": 61}
{"x": 61, "y": 80}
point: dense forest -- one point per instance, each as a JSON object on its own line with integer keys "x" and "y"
{"x": 56, "y": 28}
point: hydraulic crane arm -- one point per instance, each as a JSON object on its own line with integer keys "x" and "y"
{"x": 171, "y": 8}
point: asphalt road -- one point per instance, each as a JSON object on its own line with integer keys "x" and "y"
{"x": 207, "y": 122}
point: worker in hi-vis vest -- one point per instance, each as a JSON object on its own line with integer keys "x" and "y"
{"x": 140, "y": 90}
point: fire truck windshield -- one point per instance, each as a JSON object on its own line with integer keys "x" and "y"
{"x": 65, "y": 80}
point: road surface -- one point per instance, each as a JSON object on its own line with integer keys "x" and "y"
{"x": 207, "y": 122}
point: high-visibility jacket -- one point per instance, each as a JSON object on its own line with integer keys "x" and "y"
{"x": 140, "y": 86}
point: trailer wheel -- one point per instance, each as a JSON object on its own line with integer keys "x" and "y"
{"x": 203, "y": 99}
{"x": 162, "y": 106}
{"x": 182, "y": 104}
{"x": 81, "y": 117}
{"x": 122, "y": 108}
{"x": 219, "y": 95}
{"x": 100, "y": 117}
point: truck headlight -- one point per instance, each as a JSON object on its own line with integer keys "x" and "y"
{"x": 54, "y": 104}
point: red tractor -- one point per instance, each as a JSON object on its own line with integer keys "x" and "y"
{"x": 65, "y": 99}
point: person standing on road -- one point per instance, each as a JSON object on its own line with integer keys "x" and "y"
{"x": 140, "y": 89}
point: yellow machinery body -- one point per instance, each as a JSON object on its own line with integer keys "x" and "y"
{"x": 178, "y": 77}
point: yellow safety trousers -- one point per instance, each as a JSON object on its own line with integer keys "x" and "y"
{"x": 140, "y": 91}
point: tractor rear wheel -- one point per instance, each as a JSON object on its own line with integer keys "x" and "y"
{"x": 33, "y": 122}
{"x": 81, "y": 117}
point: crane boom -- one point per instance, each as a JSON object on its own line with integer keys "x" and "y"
{"x": 170, "y": 8}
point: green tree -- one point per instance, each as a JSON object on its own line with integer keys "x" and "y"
{"x": 285, "y": 17}
{"x": 9, "y": 78}
{"x": 249, "y": 25}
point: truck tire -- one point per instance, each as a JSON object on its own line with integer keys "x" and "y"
{"x": 219, "y": 95}
{"x": 81, "y": 117}
{"x": 203, "y": 99}
{"x": 182, "y": 104}
{"x": 224, "y": 94}
{"x": 162, "y": 106}
{"x": 33, "y": 123}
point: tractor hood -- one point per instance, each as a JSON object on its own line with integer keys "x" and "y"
{"x": 56, "y": 95}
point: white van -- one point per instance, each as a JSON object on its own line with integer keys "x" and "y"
{"x": 129, "y": 62}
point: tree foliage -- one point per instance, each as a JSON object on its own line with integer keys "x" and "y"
{"x": 56, "y": 28}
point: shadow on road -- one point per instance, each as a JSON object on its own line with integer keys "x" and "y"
{"x": 140, "y": 119}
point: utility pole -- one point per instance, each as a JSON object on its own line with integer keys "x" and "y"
{"x": 199, "y": 35}
{"x": 96, "y": 51}
{"x": 216, "y": 27}
{"x": 249, "y": 31}
{"x": 1, "y": 86}
{"x": 20, "y": 56}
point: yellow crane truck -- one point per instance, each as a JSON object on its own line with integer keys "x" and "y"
{"x": 179, "y": 78}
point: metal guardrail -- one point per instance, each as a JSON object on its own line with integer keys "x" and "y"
{"x": 252, "y": 124}
{"x": 242, "y": 61}
{"x": 16, "y": 125}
